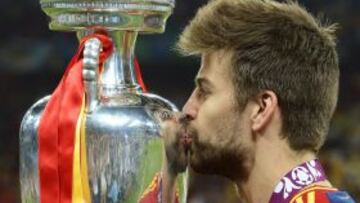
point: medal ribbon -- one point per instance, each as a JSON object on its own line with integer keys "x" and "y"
{"x": 296, "y": 180}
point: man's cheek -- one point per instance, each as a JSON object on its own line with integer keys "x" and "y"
{"x": 204, "y": 137}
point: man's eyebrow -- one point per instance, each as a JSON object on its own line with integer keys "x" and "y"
{"x": 202, "y": 82}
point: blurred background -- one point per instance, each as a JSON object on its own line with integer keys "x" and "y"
{"x": 33, "y": 58}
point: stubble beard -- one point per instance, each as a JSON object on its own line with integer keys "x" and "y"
{"x": 227, "y": 158}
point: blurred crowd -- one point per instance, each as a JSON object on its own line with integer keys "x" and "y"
{"x": 32, "y": 60}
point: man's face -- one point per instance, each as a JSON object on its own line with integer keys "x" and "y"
{"x": 220, "y": 132}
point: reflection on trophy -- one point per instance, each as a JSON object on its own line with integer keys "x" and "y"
{"x": 110, "y": 149}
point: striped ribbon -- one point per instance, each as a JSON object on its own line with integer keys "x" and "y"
{"x": 61, "y": 132}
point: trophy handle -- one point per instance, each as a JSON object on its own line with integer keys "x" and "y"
{"x": 91, "y": 72}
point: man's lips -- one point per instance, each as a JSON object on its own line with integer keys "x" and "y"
{"x": 186, "y": 140}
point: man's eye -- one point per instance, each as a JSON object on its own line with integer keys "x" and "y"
{"x": 203, "y": 93}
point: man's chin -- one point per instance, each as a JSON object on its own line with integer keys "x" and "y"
{"x": 222, "y": 163}
{"x": 203, "y": 163}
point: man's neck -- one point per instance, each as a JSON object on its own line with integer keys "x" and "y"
{"x": 271, "y": 162}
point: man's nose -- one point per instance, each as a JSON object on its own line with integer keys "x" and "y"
{"x": 190, "y": 108}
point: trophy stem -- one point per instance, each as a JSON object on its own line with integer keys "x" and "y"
{"x": 118, "y": 75}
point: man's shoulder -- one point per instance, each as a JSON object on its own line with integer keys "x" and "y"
{"x": 321, "y": 194}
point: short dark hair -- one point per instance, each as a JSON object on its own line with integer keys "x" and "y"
{"x": 279, "y": 47}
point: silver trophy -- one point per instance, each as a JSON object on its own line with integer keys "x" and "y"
{"x": 124, "y": 147}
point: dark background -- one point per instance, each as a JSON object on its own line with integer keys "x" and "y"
{"x": 33, "y": 58}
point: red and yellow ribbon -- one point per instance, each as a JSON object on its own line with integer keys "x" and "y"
{"x": 153, "y": 193}
{"x": 62, "y": 147}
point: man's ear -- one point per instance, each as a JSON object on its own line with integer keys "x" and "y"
{"x": 267, "y": 103}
